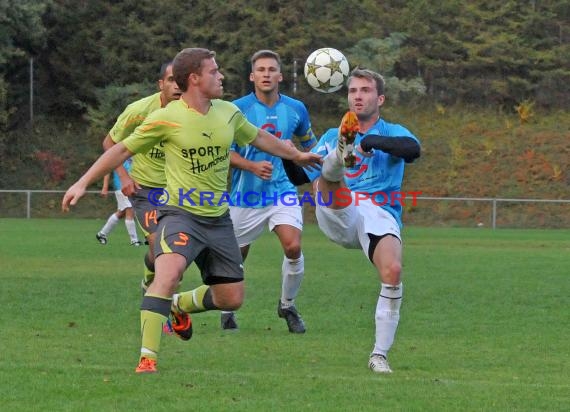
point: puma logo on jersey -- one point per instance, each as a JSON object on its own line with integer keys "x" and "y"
{"x": 208, "y": 135}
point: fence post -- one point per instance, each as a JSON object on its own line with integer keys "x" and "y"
{"x": 28, "y": 203}
{"x": 494, "y": 214}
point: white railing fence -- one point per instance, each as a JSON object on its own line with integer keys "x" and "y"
{"x": 428, "y": 211}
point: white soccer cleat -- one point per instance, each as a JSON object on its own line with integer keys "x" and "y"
{"x": 379, "y": 364}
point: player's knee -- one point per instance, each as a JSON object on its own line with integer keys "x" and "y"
{"x": 229, "y": 297}
{"x": 391, "y": 273}
{"x": 229, "y": 302}
{"x": 292, "y": 249}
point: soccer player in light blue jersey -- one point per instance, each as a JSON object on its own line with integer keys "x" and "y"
{"x": 263, "y": 177}
{"x": 124, "y": 210}
{"x": 360, "y": 205}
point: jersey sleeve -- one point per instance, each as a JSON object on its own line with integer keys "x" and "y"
{"x": 126, "y": 124}
{"x": 245, "y": 132}
{"x": 151, "y": 132}
{"x": 399, "y": 130}
{"x": 304, "y": 131}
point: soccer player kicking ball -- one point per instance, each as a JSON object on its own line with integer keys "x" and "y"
{"x": 197, "y": 131}
{"x": 365, "y": 155}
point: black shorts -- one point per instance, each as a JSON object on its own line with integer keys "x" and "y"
{"x": 208, "y": 241}
{"x": 145, "y": 212}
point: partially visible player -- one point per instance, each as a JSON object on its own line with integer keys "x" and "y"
{"x": 124, "y": 210}
{"x": 353, "y": 187}
{"x": 147, "y": 171}
{"x": 259, "y": 172}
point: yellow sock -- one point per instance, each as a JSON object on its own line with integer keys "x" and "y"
{"x": 193, "y": 300}
{"x": 154, "y": 315}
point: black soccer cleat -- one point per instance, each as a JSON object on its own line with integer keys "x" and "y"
{"x": 292, "y": 317}
{"x": 101, "y": 237}
{"x": 228, "y": 321}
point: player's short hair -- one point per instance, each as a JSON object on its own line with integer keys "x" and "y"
{"x": 189, "y": 61}
{"x": 163, "y": 69}
{"x": 265, "y": 54}
{"x": 363, "y": 73}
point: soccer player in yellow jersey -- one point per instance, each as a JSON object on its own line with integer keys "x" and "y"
{"x": 197, "y": 132}
{"x": 147, "y": 169}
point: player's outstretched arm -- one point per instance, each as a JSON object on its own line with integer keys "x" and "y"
{"x": 128, "y": 185}
{"x": 268, "y": 143}
{"x": 405, "y": 147}
{"x": 296, "y": 174}
{"x": 102, "y": 166}
{"x": 105, "y": 188}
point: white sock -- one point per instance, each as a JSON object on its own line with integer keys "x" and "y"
{"x": 132, "y": 229}
{"x": 387, "y": 317}
{"x": 292, "y": 272}
{"x": 174, "y": 306}
{"x": 333, "y": 169}
{"x": 111, "y": 223}
{"x": 145, "y": 351}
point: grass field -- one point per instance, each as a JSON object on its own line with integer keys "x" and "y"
{"x": 485, "y": 326}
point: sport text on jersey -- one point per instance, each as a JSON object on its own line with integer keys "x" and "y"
{"x": 198, "y": 156}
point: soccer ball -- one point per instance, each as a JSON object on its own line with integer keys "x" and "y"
{"x": 326, "y": 70}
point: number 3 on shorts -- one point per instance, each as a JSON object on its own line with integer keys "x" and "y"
{"x": 183, "y": 239}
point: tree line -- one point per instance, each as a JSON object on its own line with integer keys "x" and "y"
{"x": 89, "y": 58}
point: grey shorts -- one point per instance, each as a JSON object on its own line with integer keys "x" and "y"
{"x": 207, "y": 241}
{"x": 145, "y": 212}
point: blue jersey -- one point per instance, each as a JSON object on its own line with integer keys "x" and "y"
{"x": 116, "y": 181}
{"x": 381, "y": 174}
{"x": 286, "y": 119}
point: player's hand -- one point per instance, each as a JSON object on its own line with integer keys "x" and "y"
{"x": 129, "y": 186}
{"x": 72, "y": 196}
{"x": 309, "y": 160}
{"x": 363, "y": 153}
{"x": 262, "y": 169}
{"x": 104, "y": 192}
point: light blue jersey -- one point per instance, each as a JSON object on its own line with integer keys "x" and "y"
{"x": 381, "y": 174}
{"x": 286, "y": 119}
{"x": 116, "y": 181}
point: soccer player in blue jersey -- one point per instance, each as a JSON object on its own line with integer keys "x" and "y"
{"x": 359, "y": 205}
{"x": 263, "y": 175}
{"x": 124, "y": 210}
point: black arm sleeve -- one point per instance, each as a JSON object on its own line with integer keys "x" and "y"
{"x": 295, "y": 173}
{"x": 400, "y": 146}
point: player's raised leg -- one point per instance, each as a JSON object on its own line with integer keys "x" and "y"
{"x": 334, "y": 162}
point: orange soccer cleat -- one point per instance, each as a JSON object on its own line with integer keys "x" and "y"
{"x": 181, "y": 324}
{"x": 146, "y": 365}
{"x": 347, "y": 131}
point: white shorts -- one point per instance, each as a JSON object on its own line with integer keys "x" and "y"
{"x": 122, "y": 201}
{"x": 349, "y": 227}
{"x": 249, "y": 222}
